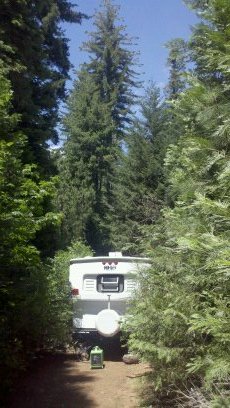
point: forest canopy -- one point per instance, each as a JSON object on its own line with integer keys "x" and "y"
{"x": 154, "y": 183}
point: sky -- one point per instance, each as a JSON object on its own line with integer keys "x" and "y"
{"x": 154, "y": 22}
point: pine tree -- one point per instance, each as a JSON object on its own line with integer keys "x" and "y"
{"x": 181, "y": 312}
{"x": 33, "y": 68}
{"x": 176, "y": 62}
{"x": 86, "y": 162}
{"x": 98, "y": 109}
{"x": 140, "y": 187}
{"x": 111, "y": 64}
{"x": 35, "y": 50}
{"x": 23, "y": 276}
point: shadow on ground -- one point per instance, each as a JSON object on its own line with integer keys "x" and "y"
{"x": 60, "y": 381}
{"x": 52, "y": 381}
{"x": 57, "y": 381}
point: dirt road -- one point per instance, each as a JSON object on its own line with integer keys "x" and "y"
{"x": 59, "y": 381}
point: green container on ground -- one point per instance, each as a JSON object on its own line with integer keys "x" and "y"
{"x": 97, "y": 358}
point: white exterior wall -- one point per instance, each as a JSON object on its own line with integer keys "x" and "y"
{"x": 83, "y": 276}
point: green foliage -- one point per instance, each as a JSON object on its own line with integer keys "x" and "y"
{"x": 34, "y": 50}
{"x": 23, "y": 277}
{"x": 177, "y": 60}
{"x": 111, "y": 64}
{"x": 33, "y": 68}
{"x": 140, "y": 187}
{"x": 86, "y": 165}
{"x": 175, "y": 157}
{"x": 212, "y": 35}
{"x": 59, "y": 319}
{"x": 98, "y": 108}
{"x": 181, "y": 313}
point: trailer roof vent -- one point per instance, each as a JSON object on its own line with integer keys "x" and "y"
{"x": 115, "y": 254}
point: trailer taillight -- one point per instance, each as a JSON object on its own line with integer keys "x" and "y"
{"x": 75, "y": 292}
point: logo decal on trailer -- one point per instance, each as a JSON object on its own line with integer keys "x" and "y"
{"x": 110, "y": 265}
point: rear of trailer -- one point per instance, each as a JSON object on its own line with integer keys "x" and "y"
{"x": 101, "y": 287}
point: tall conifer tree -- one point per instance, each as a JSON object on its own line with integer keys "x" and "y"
{"x": 35, "y": 49}
{"x": 23, "y": 276}
{"x": 176, "y": 62}
{"x": 184, "y": 297}
{"x": 98, "y": 109}
{"x": 139, "y": 191}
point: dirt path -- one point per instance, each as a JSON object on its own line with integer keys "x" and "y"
{"x": 59, "y": 381}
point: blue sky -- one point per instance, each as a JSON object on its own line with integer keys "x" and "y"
{"x": 154, "y": 22}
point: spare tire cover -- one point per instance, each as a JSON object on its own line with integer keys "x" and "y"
{"x": 107, "y": 322}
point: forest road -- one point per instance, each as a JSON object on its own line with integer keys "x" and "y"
{"x": 59, "y": 381}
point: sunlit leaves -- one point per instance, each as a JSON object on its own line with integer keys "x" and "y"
{"x": 188, "y": 282}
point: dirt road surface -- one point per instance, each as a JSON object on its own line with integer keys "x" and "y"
{"x": 59, "y": 381}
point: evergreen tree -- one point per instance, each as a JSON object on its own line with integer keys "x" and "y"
{"x": 35, "y": 50}
{"x": 33, "y": 68}
{"x": 23, "y": 276}
{"x": 98, "y": 109}
{"x": 176, "y": 62}
{"x": 181, "y": 311}
{"x": 140, "y": 187}
{"x": 213, "y": 33}
{"x": 86, "y": 164}
{"x": 111, "y": 64}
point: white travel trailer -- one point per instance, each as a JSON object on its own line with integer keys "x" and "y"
{"x": 100, "y": 288}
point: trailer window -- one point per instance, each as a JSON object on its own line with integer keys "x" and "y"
{"x": 110, "y": 283}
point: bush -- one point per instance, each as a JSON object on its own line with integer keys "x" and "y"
{"x": 59, "y": 317}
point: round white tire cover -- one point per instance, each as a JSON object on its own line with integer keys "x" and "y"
{"x": 107, "y": 322}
